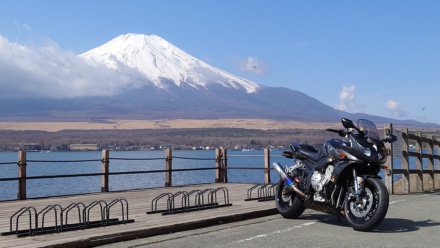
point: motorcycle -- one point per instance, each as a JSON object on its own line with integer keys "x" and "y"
{"x": 340, "y": 178}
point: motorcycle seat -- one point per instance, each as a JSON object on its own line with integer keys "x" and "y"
{"x": 306, "y": 150}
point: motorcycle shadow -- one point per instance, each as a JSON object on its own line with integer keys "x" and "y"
{"x": 397, "y": 225}
{"x": 388, "y": 225}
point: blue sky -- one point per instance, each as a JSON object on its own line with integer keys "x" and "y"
{"x": 374, "y": 57}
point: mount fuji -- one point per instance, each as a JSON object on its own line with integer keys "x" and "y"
{"x": 166, "y": 82}
{"x": 157, "y": 80}
{"x": 161, "y": 63}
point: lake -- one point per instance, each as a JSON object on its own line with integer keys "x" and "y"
{"x": 90, "y": 162}
{"x": 38, "y": 165}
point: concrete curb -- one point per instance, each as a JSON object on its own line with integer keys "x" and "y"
{"x": 131, "y": 235}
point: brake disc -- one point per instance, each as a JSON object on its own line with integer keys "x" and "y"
{"x": 362, "y": 207}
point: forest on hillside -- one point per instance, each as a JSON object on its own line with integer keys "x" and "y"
{"x": 229, "y": 138}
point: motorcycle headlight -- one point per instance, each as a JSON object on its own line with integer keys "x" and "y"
{"x": 364, "y": 150}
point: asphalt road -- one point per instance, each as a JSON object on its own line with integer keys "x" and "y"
{"x": 412, "y": 221}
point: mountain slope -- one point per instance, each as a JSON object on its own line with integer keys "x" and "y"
{"x": 160, "y": 81}
{"x": 182, "y": 86}
{"x": 160, "y": 63}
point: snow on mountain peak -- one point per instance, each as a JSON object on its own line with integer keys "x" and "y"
{"x": 160, "y": 61}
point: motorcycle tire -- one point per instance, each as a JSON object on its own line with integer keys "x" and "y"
{"x": 288, "y": 203}
{"x": 370, "y": 211}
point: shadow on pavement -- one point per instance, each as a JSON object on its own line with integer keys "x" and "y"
{"x": 389, "y": 225}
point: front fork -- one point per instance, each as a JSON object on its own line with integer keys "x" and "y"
{"x": 359, "y": 184}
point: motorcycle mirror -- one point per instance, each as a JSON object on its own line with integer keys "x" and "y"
{"x": 391, "y": 138}
{"x": 347, "y": 123}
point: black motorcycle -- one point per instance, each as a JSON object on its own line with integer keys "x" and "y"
{"x": 340, "y": 178}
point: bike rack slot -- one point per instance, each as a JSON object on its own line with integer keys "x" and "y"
{"x": 17, "y": 216}
{"x": 199, "y": 197}
{"x": 197, "y": 200}
{"x": 80, "y": 224}
{"x": 171, "y": 201}
{"x": 124, "y": 212}
{"x": 156, "y": 200}
{"x": 249, "y": 192}
{"x": 269, "y": 193}
{"x": 265, "y": 192}
{"x": 86, "y": 213}
{"x": 60, "y": 218}
{"x": 43, "y": 212}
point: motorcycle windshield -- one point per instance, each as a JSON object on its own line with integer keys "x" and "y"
{"x": 369, "y": 128}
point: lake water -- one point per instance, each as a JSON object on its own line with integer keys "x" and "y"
{"x": 37, "y": 165}
{"x": 149, "y": 160}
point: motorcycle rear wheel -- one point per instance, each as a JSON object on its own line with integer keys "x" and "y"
{"x": 288, "y": 203}
{"x": 370, "y": 211}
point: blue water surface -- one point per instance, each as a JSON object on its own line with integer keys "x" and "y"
{"x": 60, "y": 163}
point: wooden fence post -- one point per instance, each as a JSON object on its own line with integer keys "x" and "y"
{"x": 419, "y": 163}
{"x": 266, "y": 166}
{"x": 389, "y": 175}
{"x": 428, "y": 180}
{"x": 21, "y": 175}
{"x": 168, "y": 168}
{"x": 221, "y": 166}
{"x": 218, "y": 163}
{"x": 406, "y": 178}
{"x": 224, "y": 165}
{"x": 105, "y": 170}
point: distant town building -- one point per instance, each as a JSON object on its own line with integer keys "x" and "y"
{"x": 31, "y": 147}
{"x": 83, "y": 147}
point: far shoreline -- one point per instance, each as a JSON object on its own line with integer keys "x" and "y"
{"x": 111, "y": 124}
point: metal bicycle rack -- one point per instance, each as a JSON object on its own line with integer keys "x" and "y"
{"x": 265, "y": 192}
{"x": 197, "y": 197}
{"x": 60, "y": 218}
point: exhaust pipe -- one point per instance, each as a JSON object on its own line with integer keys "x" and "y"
{"x": 287, "y": 180}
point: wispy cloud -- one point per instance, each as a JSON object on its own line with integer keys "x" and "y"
{"x": 47, "y": 71}
{"x": 253, "y": 65}
{"x": 395, "y": 109}
{"x": 347, "y": 98}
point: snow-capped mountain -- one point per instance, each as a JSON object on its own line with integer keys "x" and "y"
{"x": 160, "y": 63}
{"x": 160, "y": 81}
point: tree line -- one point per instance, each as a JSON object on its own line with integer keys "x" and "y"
{"x": 229, "y": 138}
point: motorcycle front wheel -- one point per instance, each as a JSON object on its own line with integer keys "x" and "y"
{"x": 288, "y": 203}
{"x": 369, "y": 210}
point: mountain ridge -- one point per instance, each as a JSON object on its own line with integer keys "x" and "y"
{"x": 159, "y": 61}
{"x": 161, "y": 81}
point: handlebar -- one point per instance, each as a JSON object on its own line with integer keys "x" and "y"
{"x": 332, "y": 130}
{"x": 341, "y": 133}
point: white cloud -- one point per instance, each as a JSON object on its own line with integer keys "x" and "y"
{"x": 346, "y": 98}
{"x": 47, "y": 71}
{"x": 253, "y": 65}
{"x": 395, "y": 108}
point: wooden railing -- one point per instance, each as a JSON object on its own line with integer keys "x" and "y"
{"x": 421, "y": 175}
{"x": 418, "y": 156}
{"x": 220, "y": 167}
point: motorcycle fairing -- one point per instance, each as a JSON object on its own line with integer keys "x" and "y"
{"x": 340, "y": 168}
